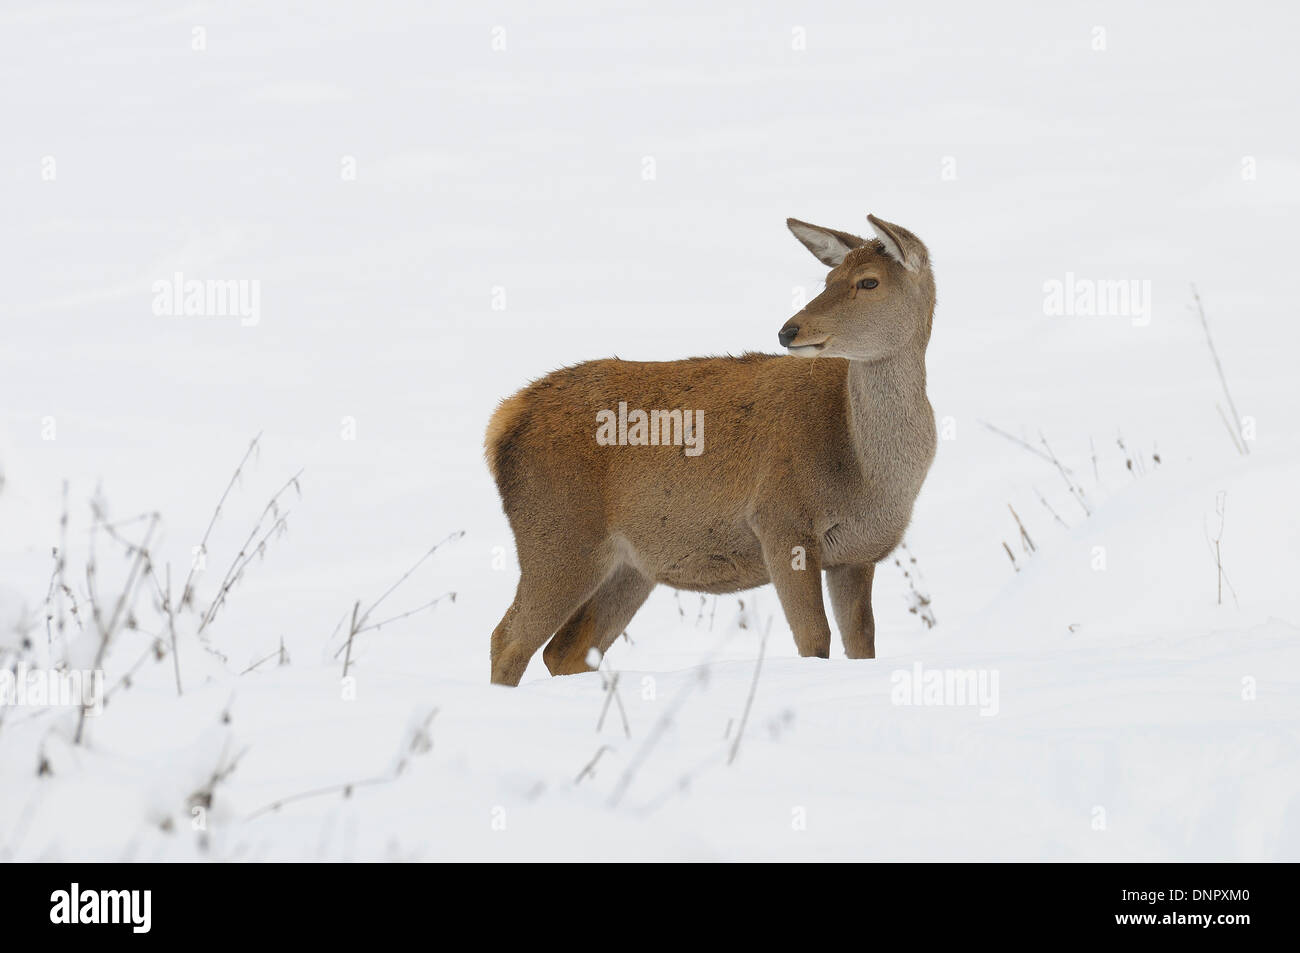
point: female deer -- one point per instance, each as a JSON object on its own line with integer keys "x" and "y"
{"x": 808, "y": 465}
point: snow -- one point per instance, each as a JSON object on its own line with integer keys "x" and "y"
{"x": 499, "y": 224}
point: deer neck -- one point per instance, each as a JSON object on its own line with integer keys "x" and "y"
{"x": 891, "y": 422}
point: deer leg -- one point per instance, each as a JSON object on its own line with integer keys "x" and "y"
{"x": 598, "y": 622}
{"x": 850, "y": 588}
{"x": 549, "y": 592}
{"x": 794, "y": 566}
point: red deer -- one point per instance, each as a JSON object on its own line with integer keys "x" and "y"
{"x": 791, "y": 467}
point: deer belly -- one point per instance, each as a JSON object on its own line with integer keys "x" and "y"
{"x": 702, "y": 556}
{"x": 714, "y": 572}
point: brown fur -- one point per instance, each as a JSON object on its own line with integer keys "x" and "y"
{"x": 822, "y": 456}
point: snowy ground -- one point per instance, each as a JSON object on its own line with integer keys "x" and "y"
{"x": 500, "y": 223}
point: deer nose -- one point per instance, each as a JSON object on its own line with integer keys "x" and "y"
{"x": 787, "y": 334}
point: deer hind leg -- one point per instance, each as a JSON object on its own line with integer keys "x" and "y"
{"x": 850, "y": 588}
{"x": 598, "y": 622}
{"x": 550, "y": 590}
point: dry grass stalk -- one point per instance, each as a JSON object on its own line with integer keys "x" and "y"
{"x": 1223, "y": 379}
{"x": 1022, "y": 443}
{"x": 749, "y": 701}
{"x": 360, "y": 620}
{"x": 1075, "y": 490}
{"x": 1025, "y": 541}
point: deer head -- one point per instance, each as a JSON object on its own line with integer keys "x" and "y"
{"x": 879, "y": 294}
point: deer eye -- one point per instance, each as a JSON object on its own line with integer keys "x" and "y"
{"x": 868, "y": 283}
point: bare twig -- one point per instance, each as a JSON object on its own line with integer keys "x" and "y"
{"x": 122, "y": 606}
{"x": 1016, "y": 440}
{"x": 1075, "y": 491}
{"x": 450, "y": 596}
{"x": 171, "y": 628}
{"x": 450, "y": 537}
{"x": 419, "y": 743}
{"x": 918, "y": 600}
{"x": 656, "y": 733}
{"x": 1218, "y": 366}
{"x": 279, "y": 653}
{"x": 59, "y": 591}
{"x": 187, "y": 592}
{"x": 611, "y": 694}
{"x": 589, "y": 770}
{"x": 749, "y": 702}
{"x": 125, "y": 681}
{"x": 1220, "y": 510}
{"x": 344, "y": 789}
{"x": 1042, "y": 499}
{"x": 252, "y": 548}
{"x": 204, "y": 795}
{"x": 360, "y": 622}
{"x": 1128, "y": 457}
{"x": 352, "y": 631}
{"x": 1232, "y": 431}
{"x": 1025, "y": 541}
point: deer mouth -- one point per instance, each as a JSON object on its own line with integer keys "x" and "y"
{"x": 807, "y": 350}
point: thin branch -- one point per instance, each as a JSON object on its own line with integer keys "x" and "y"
{"x": 120, "y": 609}
{"x": 1215, "y": 544}
{"x": 352, "y": 631}
{"x": 1016, "y": 440}
{"x": 344, "y": 789}
{"x": 1218, "y": 366}
{"x": 1232, "y": 431}
{"x": 1025, "y": 539}
{"x": 418, "y": 744}
{"x": 171, "y": 628}
{"x": 1042, "y": 499}
{"x": 656, "y": 733}
{"x": 249, "y": 551}
{"x": 451, "y": 596}
{"x": 278, "y": 653}
{"x": 359, "y": 623}
{"x": 589, "y": 770}
{"x": 407, "y": 575}
{"x": 1075, "y": 491}
{"x": 187, "y": 591}
{"x": 611, "y": 694}
{"x": 154, "y": 649}
{"x": 749, "y": 702}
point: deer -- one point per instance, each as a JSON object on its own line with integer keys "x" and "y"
{"x": 812, "y": 463}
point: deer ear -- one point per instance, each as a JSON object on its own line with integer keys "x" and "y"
{"x": 828, "y": 245}
{"x": 900, "y": 244}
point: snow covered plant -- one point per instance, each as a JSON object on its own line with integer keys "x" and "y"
{"x": 112, "y": 616}
{"x": 115, "y": 616}
{"x": 109, "y": 609}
